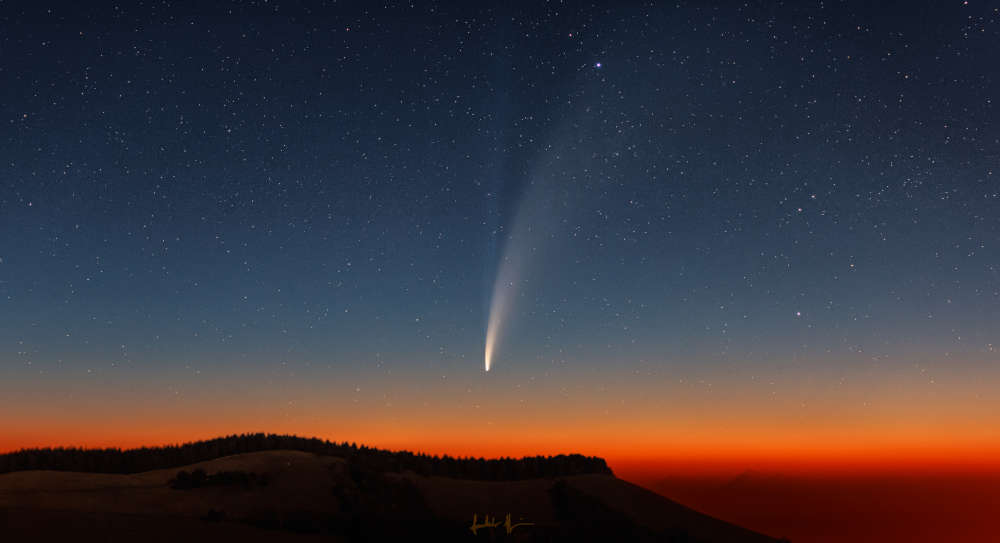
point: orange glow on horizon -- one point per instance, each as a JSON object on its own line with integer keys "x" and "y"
{"x": 641, "y": 425}
{"x": 626, "y": 460}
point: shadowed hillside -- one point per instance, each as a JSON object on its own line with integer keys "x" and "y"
{"x": 361, "y": 495}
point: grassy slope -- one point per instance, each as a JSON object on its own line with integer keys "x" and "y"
{"x": 302, "y": 482}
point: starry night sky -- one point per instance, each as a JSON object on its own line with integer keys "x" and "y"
{"x": 755, "y": 227}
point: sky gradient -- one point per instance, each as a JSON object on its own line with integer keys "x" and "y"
{"x": 755, "y": 235}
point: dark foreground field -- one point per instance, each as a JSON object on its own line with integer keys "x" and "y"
{"x": 287, "y": 495}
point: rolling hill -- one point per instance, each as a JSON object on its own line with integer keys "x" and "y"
{"x": 289, "y": 495}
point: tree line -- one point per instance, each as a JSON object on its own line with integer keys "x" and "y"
{"x": 115, "y": 460}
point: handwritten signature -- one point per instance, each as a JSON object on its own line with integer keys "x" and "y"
{"x": 487, "y": 523}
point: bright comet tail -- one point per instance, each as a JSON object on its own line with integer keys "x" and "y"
{"x": 499, "y": 307}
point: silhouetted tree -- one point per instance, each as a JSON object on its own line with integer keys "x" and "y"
{"x": 114, "y": 460}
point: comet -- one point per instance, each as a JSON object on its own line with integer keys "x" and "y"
{"x": 527, "y": 246}
{"x": 500, "y": 303}
{"x": 519, "y": 253}
{"x": 555, "y": 191}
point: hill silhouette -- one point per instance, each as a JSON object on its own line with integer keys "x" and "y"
{"x": 284, "y": 488}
